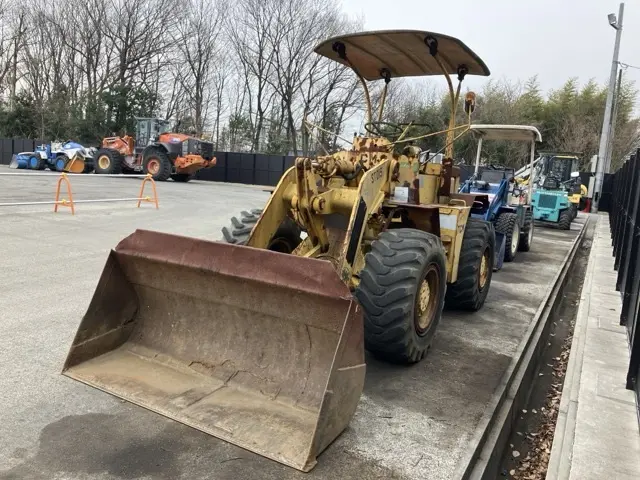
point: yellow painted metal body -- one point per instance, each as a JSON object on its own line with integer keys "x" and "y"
{"x": 575, "y": 198}
{"x": 453, "y": 220}
{"x": 336, "y": 212}
{"x": 453, "y": 214}
{"x": 343, "y": 201}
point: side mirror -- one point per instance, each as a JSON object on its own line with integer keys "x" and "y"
{"x": 575, "y": 174}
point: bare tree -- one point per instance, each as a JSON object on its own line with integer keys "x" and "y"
{"x": 198, "y": 39}
{"x": 138, "y": 32}
{"x": 250, "y": 28}
{"x": 14, "y": 16}
{"x": 300, "y": 25}
{"x": 220, "y": 74}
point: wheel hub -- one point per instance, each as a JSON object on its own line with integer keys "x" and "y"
{"x": 484, "y": 269}
{"x": 153, "y": 166}
{"x": 515, "y": 237}
{"x": 104, "y": 162}
{"x": 427, "y": 300}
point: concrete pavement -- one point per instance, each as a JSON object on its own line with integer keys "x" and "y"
{"x": 418, "y": 422}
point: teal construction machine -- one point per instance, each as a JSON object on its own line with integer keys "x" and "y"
{"x": 557, "y": 184}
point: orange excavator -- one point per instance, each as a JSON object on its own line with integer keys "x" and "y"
{"x": 155, "y": 150}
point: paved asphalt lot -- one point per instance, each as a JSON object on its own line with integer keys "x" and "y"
{"x": 411, "y": 422}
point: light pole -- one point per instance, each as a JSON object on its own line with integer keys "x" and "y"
{"x": 614, "y": 117}
{"x": 606, "y": 122}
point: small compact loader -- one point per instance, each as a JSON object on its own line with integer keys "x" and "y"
{"x": 261, "y": 343}
{"x": 557, "y": 190}
{"x": 66, "y": 156}
{"x": 155, "y": 150}
{"x": 508, "y": 204}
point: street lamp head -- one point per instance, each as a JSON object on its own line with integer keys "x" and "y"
{"x": 613, "y": 21}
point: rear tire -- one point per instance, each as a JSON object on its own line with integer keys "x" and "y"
{"x": 157, "y": 163}
{"x": 564, "y": 222}
{"x": 401, "y": 292}
{"x": 475, "y": 267}
{"x": 108, "y": 161}
{"x": 526, "y": 238}
{"x": 181, "y": 177}
{"x": 286, "y": 239}
{"x": 507, "y": 224}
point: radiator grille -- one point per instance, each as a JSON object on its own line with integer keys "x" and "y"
{"x": 547, "y": 201}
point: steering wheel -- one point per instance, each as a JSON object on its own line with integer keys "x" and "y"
{"x": 375, "y": 129}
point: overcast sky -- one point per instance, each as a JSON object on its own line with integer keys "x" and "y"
{"x": 555, "y": 39}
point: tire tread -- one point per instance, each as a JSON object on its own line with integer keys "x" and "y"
{"x": 388, "y": 286}
{"x": 505, "y": 224}
{"x": 240, "y": 228}
{"x": 464, "y": 293}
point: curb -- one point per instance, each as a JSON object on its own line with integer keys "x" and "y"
{"x": 564, "y": 433}
{"x": 482, "y": 458}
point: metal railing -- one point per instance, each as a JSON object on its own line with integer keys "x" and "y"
{"x": 624, "y": 217}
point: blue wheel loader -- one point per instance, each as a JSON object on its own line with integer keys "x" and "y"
{"x": 499, "y": 197}
{"x": 62, "y": 157}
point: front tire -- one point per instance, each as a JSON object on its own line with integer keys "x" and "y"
{"x": 36, "y": 162}
{"x": 401, "y": 291}
{"x": 507, "y": 224}
{"x": 475, "y": 267}
{"x": 157, "y": 164}
{"x": 564, "y": 222}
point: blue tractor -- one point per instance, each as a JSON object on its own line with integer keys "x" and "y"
{"x": 62, "y": 157}
{"x": 498, "y": 197}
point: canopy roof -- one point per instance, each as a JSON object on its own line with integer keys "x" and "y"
{"x": 516, "y": 133}
{"x": 404, "y": 53}
{"x": 560, "y": 154}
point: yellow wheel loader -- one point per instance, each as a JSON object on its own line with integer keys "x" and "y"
{"x": 259, "y": 340}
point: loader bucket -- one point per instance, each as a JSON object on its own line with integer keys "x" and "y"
{"x": 75, "y": 165}
{"x": 20, "y": 161}
{"x": 257, "y": 348}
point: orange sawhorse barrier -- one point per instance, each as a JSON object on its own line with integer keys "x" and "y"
{"x": 70, "y": 203}
{"x": 64, "y": 202}
{"x": 149, "y": 179}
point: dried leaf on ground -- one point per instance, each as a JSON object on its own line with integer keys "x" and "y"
{"x": 534, "y": 465}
